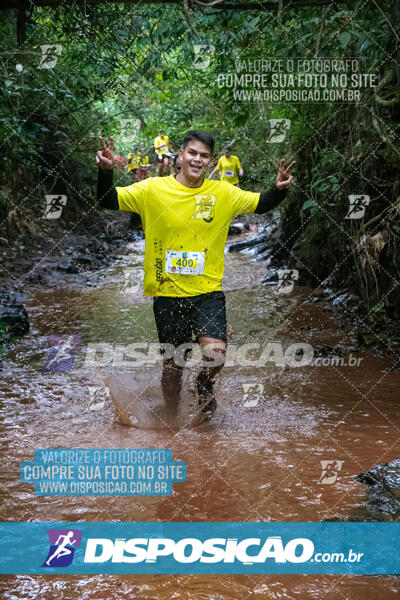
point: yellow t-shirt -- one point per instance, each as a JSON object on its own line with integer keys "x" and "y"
{"x": 134, "y": 164}
{"x": 144, "y": 160}
{"x": 179, "y": 219}
{"x": 161, "y": 140}
{"x": 229, "y": 168}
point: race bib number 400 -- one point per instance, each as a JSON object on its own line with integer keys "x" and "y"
{"x": 229, "y": 173}
{"x": 184, "y": 263}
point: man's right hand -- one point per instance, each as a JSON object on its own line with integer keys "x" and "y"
{"x": 105, "y": 156}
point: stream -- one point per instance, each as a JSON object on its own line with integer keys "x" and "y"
{"x": 258, "y": 459}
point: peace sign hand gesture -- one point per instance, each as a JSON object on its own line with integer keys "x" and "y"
{"x": 105, "y": 156}
{"x": 284, "y": 178}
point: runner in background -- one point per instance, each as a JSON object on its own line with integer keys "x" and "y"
{"x": 229, "y": 168}
{"x": 139, "y": 170}
{"x": 144, "y": 167}
{"x": 162, "y": 148}
{"x": 144, "y": 159}
{"x": 177, "y": 164}
{"x": 133, "y": 162}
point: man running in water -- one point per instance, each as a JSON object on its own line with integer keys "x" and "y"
{"x": 186, "y": 221}
{"x": 229, "y": 167}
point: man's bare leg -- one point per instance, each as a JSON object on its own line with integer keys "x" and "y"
{"x": 166, "y": 167}
{"x": 214, "y": 352}
{"x": 171, "y": 384}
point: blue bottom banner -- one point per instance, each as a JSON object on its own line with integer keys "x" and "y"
{"x": 200, "y": 548}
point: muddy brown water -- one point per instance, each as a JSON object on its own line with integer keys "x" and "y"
{"x": 251, "y": 463}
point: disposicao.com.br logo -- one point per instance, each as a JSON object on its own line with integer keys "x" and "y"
{"x": 200, "y": 548}
{"x": 248, "y": 551}
{"x": 189, "y": 550}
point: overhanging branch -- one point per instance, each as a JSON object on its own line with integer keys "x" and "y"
{"x": 223, "y": 5}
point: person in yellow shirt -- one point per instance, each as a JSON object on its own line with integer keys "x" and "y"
{"x": 133, "y": 162}
{"x": 144, "y": 167}
{"x": 162, "y": 148}
{"x": 144, "y": 159}
{"x": 186, "y": 221}
{"x": 229, "y": 167}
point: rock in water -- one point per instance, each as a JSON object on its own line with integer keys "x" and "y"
{"x": 236, "y": 228}
{"x": 383, "y": 482}
{"x": 14, "y": 320}
{"x": 248, "y": 243}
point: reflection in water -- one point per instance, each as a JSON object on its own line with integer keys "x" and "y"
{"x": 257, "y": 460}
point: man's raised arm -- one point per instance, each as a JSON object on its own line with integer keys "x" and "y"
{"x": 106, "y": 193}
{"x": 274, "y": 196}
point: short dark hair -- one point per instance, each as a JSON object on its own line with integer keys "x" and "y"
{"x": 228, "y": 149}
{"x": 200, "y": 136}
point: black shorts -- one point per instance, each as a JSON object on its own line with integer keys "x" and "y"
{"x": 182, "y": 320}
{"x": 161, "y": 157}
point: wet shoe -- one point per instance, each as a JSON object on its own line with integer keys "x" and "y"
{"x": 208, "y": 407}
{"x": 206, "y": 410}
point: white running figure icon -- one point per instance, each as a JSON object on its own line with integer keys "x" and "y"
{"x": 62, "y": 550}
{"x": 62, "y": 350}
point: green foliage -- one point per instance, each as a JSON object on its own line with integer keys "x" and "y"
{"x": 122, "y": 61}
